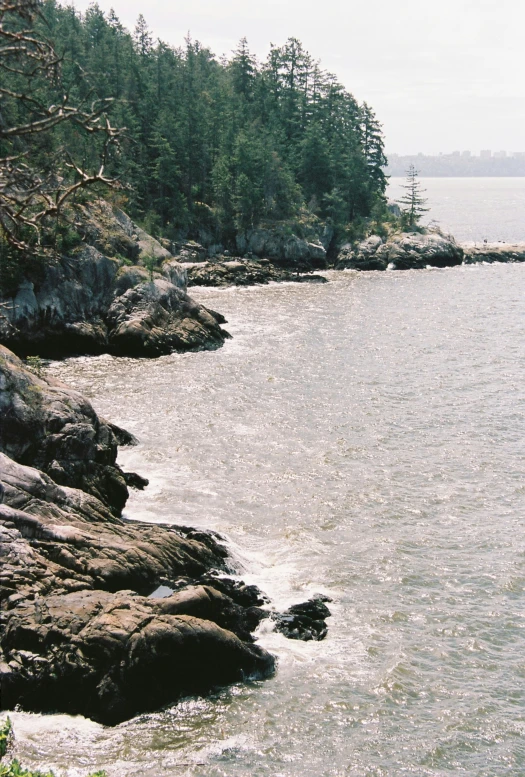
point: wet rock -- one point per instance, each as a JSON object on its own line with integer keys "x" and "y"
{"x": 122, "y": 436}
{"x": 112, "y": 656}
{"x": 74, "y": 635}
{"x": 133, "y": 480}
{"x": 76, "y": 542}
{"x": 306, "y": 621}
{"x": 77, "y": 634}
{"x": 239, "y": 272}
{"x": 237, "y": 590}
{"x": 243, "y": 272}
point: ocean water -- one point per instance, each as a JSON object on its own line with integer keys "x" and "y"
{"x": 363, "y": 439}
{"x": 473, "y": 209}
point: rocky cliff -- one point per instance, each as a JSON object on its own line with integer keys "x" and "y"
{"x": 99, "y": 297}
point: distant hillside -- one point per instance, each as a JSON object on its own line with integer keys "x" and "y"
{"x": 453, "y": 165}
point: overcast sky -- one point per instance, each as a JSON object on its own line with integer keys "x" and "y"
{"x": 440, "y": 76}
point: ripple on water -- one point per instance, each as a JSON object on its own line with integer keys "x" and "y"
{"x": 363, "y": 438}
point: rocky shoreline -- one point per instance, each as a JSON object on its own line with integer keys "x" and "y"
{"x": 84, "y": 625}
{"x": 120, "y": 291}
{"x": 80, "y": 631}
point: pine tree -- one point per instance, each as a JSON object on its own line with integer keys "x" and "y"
{"x": 412, "y": 202}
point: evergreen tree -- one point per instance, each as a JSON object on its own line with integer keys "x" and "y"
{"x": 412, "y": 203}
{"x": 234, "y": 142}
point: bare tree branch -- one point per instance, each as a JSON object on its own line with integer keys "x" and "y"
{"x": 31, "y": 192}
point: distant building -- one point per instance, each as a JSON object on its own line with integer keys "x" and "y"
{"x": 465, "y": 154}
{"x": 485, "y": 154}
{"x": 518, "y": 154}
{"x": 455, "y": 153}
{"x": 500, "y": 155}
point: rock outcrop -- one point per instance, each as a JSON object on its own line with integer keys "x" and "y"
{"x": 406, "y": 251}
{"x": 47, "y": 425}
{"x": 285, "y": 250}
{"x": 495, "y": 252}
{"x": 86, "y": 626}
{"x": 78, "y": 631}
{"x": 224, "y": 271}
{"x": 112, "y": 656}
{"x": 156, "y": 318}
{"x": 101, "y": 298}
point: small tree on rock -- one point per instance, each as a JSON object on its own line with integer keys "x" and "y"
{"x": 412, "y": 203}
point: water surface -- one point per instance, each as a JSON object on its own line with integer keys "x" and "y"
{"x": 473, "y": 209}
{"x": 363, "y": 439}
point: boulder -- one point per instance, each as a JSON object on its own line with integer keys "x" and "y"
{"x": 158, "y": 318}
{"x": 110, "y": 657}
{"x": 305, "y": 621}
{"x": 54, "y": 428}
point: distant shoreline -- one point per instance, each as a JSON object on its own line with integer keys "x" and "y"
{"x": 449, "y": 166}
{"x": 453, "y": 175}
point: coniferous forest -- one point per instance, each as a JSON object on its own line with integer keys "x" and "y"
{"x": 205, "y": 143}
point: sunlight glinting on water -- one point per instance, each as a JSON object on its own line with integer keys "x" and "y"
{"x": 363, "y": 439}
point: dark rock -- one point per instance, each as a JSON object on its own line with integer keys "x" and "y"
{"x": 306, "y": 621}
{"x": 210, "y": 539}
{"x": 235, "y": 273}
{"x": 239, "y": 592}
{"x": 157, "y": 318}
{"x": 135, "y": 481}
{"x": 244, "y": 272}
{"x": 76, "y": 542}
{"x": 52, "y": 427}
{"x": 122, "y": 436}
{"x": 311, "y": 279}
{"x": 112, "y": 656}
{"x": 76, "y": 635}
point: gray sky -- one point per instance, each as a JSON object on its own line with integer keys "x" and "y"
{"x": 440, "y": 76}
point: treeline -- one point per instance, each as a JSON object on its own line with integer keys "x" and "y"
{"x": 223, "y": 145}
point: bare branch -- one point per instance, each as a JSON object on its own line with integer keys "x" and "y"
{"x": 30, "y": 194}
